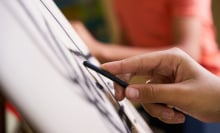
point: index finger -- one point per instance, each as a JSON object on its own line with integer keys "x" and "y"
{"x": 136, "y": 64}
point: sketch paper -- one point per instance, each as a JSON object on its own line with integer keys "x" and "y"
{"x": 41, "y": 73}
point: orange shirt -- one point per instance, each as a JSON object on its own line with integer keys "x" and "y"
{"x": 148, "y": 23}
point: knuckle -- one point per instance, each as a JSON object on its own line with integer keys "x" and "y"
{"x": 177, "y": 52}
{"x": 122, "y": 64}
{"x": 151, "y": 110}
{"x": 152, "y": 93}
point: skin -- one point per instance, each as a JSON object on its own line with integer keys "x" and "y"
{"x": 186, "y": 35}
{"x": 179, "y": 86}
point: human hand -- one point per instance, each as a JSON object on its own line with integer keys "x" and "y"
{"x": 94, "y": 45}
{"x": 178, "y": 86}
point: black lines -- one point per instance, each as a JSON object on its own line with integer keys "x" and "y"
{"x": 72, "y": 61}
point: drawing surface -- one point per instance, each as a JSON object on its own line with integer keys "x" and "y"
{"x": 41, "y": 72}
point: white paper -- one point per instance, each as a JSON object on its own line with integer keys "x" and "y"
{"x": 47, "y": 83}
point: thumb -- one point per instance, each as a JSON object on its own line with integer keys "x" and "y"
{"x": 156, "y": 93}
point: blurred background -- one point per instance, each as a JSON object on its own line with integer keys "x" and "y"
{"x": 90, "y": 12}
{"x": 96, "y": 16}
{"x": 216, "y": 15}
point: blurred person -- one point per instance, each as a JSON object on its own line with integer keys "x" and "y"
{"x": 147, "y": 26}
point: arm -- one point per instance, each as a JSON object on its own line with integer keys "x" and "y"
{"x": 177, "y": 81}
{"x": 107, "y": 52}
{"x": 188, "y": 17}
{"x": 186, "y": 36}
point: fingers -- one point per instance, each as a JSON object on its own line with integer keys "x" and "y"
{"x": 82, "y": 31}
{"x": 119, "y": 92}
{"x": 131, "y": 65}
{"x": 150, "y": 95}
{"x": 145, "y": 63}
{"x": 172, "y": 94}
{"x": 164, "y": 113}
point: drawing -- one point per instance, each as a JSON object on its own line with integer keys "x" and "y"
{"x": 41, "y": 72}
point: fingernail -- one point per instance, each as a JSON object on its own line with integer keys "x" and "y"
{"x": 103, "y": 66}
{"x": 167, "y": 115}
{"x": 180, "y": 118}
{"x": 132, "y": 93}
{"x": 118, "y": 94}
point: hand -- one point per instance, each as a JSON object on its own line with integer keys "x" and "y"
{"x": 94, "y": 46}
{"x": 178, "y": 86}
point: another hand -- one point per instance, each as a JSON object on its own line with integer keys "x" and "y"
{"x": 94, "y": 45}
{"x": 178, "y": 86}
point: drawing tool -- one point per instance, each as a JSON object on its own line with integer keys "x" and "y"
{"x": 106, "y": 74}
